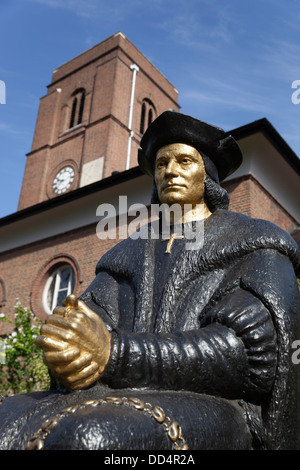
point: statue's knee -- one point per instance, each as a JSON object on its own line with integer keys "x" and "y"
{"x": 107, "y": 427}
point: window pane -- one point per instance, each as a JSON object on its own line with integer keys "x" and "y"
{"x": 73, "y": 113}
{"x": 50, "y": 294}
{"x": 60, "y": 297}
{"x": 59, "y": 285}
{"x": 81, "y": 109}
{"x": 150, "y": 116}
{"x": 65, "y": 278}
{"x": 142, "y": 124}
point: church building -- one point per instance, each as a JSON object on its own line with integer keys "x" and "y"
{"x": 84, "y": 159}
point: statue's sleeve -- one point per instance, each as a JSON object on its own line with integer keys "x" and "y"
{"x": 233, "y": 353}
{"x": 102, "y": 297}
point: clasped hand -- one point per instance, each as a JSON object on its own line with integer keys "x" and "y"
{"x": 76, "y": 344}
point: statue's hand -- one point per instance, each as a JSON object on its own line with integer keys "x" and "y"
{"x": 76, "y": 344}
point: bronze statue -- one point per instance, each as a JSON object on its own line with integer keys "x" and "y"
{"x": 171, "y": 348}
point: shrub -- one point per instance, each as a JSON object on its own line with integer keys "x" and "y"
{"x": 23, "y": 369}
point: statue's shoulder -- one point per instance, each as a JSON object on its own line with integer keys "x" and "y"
{"x": 248, "y": 226}
{"x": 241, "y": 232}
{"x": 125, "y": 253}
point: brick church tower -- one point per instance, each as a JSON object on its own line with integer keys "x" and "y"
{"x": 91, "y": 121}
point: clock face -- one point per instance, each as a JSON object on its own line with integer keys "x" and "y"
{"x": 63, "y": 180}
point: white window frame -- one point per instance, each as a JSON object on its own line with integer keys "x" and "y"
{"x": 56, "y": 274}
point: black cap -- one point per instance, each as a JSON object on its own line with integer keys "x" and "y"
{"x": 172, "y": 127}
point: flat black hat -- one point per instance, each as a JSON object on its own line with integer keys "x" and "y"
{"x": 172, "y": 127}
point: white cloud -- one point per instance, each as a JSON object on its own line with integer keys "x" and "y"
{"x": 238, "y": 98}
{"x": 198, "y": 27}
{"x": 8, "y": 129}
{"x": 93, "y": 9}
{"x": 281, "y": 58}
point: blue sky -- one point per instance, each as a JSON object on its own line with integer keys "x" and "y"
{"x": 232, "y": 61}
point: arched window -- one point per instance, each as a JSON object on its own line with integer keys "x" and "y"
{"x": 81, "y": 106}
{"x": 143, "y": 114}
{"x": 147, "y": 115}
{"x": 73, "y": 112}
{"x": 77, "y": 108}
{"x": 59, "y": 285}
{"x": 150, "y": 116}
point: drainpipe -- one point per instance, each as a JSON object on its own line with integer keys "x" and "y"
{"x": 135, "y": 70}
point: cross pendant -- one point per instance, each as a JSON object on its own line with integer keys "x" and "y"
{"x": 170, "y": 241}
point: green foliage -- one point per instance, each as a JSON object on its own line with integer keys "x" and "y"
{"x": 23, "y": 369}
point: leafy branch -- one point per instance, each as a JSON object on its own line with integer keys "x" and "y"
{"x": 21, "y": 367}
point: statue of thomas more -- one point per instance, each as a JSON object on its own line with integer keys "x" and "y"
{"x": 169, "y": 347}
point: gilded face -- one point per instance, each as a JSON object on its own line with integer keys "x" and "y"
{"x": 179, "y": 175}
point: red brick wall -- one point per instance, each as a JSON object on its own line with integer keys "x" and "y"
{"x": 25, "y": 269}
{"x": 249, "y": 197}
{"x": 239, "y": 191}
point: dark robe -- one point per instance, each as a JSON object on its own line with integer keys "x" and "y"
{"x": 207, "y": 334}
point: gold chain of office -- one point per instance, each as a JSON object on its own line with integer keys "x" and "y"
{"x": 172, "y": 428}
